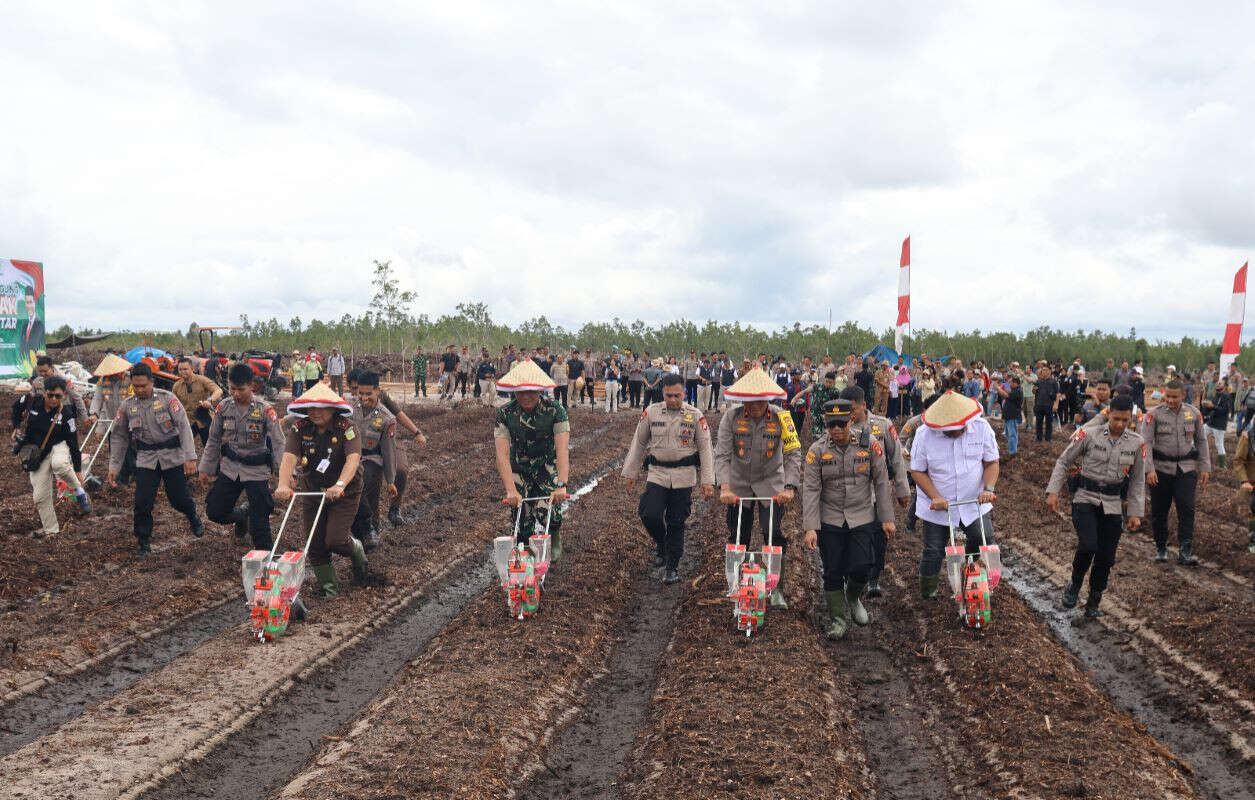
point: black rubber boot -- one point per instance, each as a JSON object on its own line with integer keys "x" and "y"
{"x": 198, "y": 527}
{"x": 1092, "y": 611}
{"x": 143, "y": 549}
{"x": 1071, "y": 593}
{"x": 873, "y": 587}
{"x": 394, "y": 516}
{"x": 1185, "y": 555}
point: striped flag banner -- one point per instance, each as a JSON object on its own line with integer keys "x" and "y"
{"x": 904, "y": 294}
{"x": 1233, "y": 329}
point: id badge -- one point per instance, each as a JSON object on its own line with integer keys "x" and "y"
{"x": 323, "y": 465}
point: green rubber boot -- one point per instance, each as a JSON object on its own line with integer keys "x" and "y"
{"x": 837, "y": 625}
{"x": 1224, "y": 461}
{"x": 928, "y": 586}
{"x": 555, "y": 544}
{"x": 854, "y": 591}
{"x": 325, "y": 575}
{"x": 359, "y": 562}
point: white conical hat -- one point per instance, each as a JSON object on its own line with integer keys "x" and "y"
{"x": 754, "y": 385}
{"x": 320, "y": 396}
{"x": 525, "y": 376}
{"x": 951, "y": 412}
{"x": 111, "y": 365}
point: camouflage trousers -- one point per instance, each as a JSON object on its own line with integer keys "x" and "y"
{"x": 535, "y": 484}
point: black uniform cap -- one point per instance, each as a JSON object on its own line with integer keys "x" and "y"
{"x": 838, "y": 410}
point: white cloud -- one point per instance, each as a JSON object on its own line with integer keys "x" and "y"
{"x": 1058, "y": 164}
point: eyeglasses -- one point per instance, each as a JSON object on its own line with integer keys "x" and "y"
{"x": 55, "y": 395}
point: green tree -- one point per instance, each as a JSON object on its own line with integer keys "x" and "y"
{"x": 391, "y": 304}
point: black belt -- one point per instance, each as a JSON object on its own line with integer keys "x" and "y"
{"x": 1161, "y": 456}
{"x": 1101, "y": 488}
{"x": 168, "y": 444}
{"x": 372, "y": 451}
{"x": 254, "y": 460}
{"x": 687, "y": 461}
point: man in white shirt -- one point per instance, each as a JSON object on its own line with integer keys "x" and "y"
{"x": 335, "y": 368}
{"x": 954, "y": 457}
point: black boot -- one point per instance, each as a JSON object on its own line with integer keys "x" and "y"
{"x": 394, "y": 516}
{"x": 370, "y": 540}
{"x": 1091, "y": 605}
{"x": 239, "y": 518}
{"x": 659, "y": 560}
{"x": 198, "y": 527}
{"x": 873, "y": 587}
{"x": 1071, "y": 593}
{"x": 1185, "y": 555}
{"x": 1162, "y": 554}
{"x": 671, "y": 577}
{"x": 144, "y": 549}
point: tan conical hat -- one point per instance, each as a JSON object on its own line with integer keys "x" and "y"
{"x": 951, "y": 412}
{"x": 319, "y": 396}
{"x": 754, "y": 385}
{"x": 111, "y": 365}
{"x": 525, "y": 376}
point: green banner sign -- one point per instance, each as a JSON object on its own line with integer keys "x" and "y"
{"x": 21, "y": 316}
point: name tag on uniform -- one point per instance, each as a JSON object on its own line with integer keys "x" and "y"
{"x": 323, "y": 465}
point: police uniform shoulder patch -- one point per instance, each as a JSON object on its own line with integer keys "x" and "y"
{"x": 350, "y": 434}
{"x": 810, "y": 456}
{"x": 271, "y": 414}
{"x": 877, "y": 449}
{"x": 1079, "y": 435}
{"x": 222, "y": 404}
{"x": 705, "y": 425}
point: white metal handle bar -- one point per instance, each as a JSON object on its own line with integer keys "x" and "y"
{"x": 771, "y": 515}
{"x": 288, "y": 511}
{"x": 518, "y": 515}
{"x": 104, "y": 437}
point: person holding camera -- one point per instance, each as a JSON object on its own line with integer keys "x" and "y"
{"x": 46, "y": 443}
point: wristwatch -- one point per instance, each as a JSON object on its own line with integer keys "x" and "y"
{"x": 790, "y": 487}
{"x": 340, "y": 484}
{"x": 990, "y": 489}
{"x": 559, "y": 485}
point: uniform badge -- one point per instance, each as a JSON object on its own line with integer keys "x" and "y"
{"x": 810, "y": 456}
{"x": 688, "y": 417}
{"x": 304, "y": 461}
{"x": 876, "y": 430}
{"x": 377, "y": 423}
{"x": 1189, "y": 417}
{"x": 829, "y": 457}
{"x": 862, "y": 454}
{"x": 156, "y": 405}
{"x": 334, "y": 440}
{"x": 349, "y": 435}
{"x": 255, "y": 413}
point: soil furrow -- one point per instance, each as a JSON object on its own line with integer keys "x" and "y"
{"x": 530, "y": 679}
{"x": 226, "y": 682}
{"x": 1140, "y": 690}
{"x": 731, "y": 717}
{"x": 585, "y": 760}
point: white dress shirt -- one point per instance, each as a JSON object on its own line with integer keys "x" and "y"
{"x": 956, "y": 467}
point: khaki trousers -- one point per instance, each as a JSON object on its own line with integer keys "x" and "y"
{"x": 56, "y": 464}
{"x": 487, "y": 392}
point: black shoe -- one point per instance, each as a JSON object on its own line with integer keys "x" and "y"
{"x": 1162, "y": 555}
{"x": 198, "y": 527}
{"x": 1071, "y": 593}
{"x": 143, "y": 550}
{"x": 394, "y": 516}
{"x": 1092, "y": 611}
{"x": 1185, "y": 556}
{"x": 659, "y": 560}
{"x": 873, "y": 588}
{"x": 371, "y": 540}
{"x": 671, "y": 577}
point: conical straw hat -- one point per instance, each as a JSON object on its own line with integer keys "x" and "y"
{"x": 320, "y": 396}
{"x": 111, "y": 365}
{"x": 525, "y": 376}
{"x": 754, "y": 385}
{"x": 951, "y": 412}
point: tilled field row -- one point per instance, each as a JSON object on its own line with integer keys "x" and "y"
{"x": 1162, "y": 611}
{"x": 473, "y": 715}
{"x": 151, "y": 729}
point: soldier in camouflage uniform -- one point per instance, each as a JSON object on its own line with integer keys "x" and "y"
{"x": 820, "y": 394}
{"x": 532, "y": 434}
{"x": 420, "y": 372}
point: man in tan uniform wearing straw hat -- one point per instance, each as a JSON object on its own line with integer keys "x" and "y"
{"x": 758, "y": 454}
{"x": 954, "y": 457}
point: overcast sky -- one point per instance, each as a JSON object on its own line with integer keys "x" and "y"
{"x": 1054, "y": 163}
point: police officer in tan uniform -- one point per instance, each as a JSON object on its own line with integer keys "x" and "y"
{"x": 199, "y": 397}
{"x": 154, "y": 423}
{"x": 242, "y": 450}
{"x": 378, "y": 428}
{"x": 845, "y": 495}
{"x": 1111, "y": 462}
{"x": 866, "y": 427}
{"x": 673, "y": 441}
{"x": 1178, "y": 464}
{"x": 757, "y": 454}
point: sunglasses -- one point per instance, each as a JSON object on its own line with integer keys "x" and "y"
{"x": 836, "y": 423}
{"x": 55, "y": 395}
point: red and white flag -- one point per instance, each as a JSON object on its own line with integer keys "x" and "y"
{"x": 904, "y": 294}
{"x": 1233, "y": 330}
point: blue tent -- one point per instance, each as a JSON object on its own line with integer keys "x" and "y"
{"x": 885, "y": 353}
{"x": 136, "y": 353}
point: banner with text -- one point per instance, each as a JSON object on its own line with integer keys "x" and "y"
{"x": 21, "y": 316}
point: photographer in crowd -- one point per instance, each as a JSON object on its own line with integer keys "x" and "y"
{"x": 46, "y": 443}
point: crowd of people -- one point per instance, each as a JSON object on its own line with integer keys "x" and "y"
{"x": 878, "y": 432}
